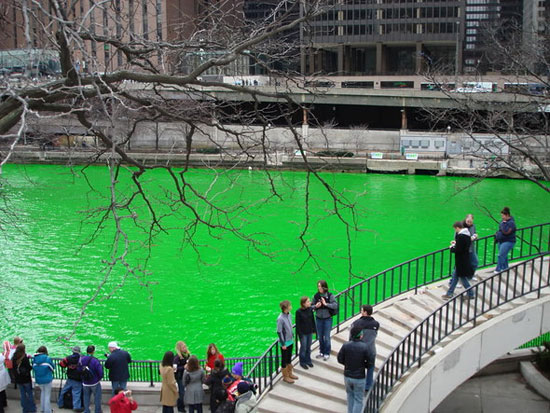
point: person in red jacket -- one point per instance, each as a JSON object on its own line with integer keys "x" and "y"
{"x": 122, "y": 402}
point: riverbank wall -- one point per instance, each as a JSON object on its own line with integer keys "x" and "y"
{"x": 391, "y": 162}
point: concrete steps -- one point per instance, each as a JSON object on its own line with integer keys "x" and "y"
{"x": 321, "y": 389}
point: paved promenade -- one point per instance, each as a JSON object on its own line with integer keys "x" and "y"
{"x": 502, "y": 393}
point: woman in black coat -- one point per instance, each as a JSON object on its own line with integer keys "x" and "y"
{"x": 22, "y": 377}
{"x": 460, "y": 247}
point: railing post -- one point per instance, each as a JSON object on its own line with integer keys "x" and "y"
{"x": 151, "y": 374}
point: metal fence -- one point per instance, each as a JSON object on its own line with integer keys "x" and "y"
{"x": 407, "y": 276}
{"x": 148, "y": 370}
{"x": 459, "y": 311}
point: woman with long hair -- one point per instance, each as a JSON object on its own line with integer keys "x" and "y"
{"x": 182, "y": 355}
{"x": 193, "y": 379}
{"x": 325, "y": 306}
{"x": 169, "y": 389}
{"x": 212, "y": 354}
{"x": 22, "y": 377}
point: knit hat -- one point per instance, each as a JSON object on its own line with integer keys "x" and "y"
{"x": 237, "y": 369}
{"x": 227, "y": 381}
{"x": 243, "y": 387}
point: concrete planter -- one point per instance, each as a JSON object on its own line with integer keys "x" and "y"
{"x": 535, "y": 378}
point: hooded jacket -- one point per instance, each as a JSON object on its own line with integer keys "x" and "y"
{"x": 245, "y": 403}
{"x": 43, "y": 368}
{"x": 356, "y": 357}
{"x": 461, "y": 249}
{"x": 370, "y": 328}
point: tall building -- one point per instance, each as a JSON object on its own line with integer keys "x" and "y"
{"x": 128, "y": 20}
{"x": 486, "y": 19}
{"x": 363, "y": 37}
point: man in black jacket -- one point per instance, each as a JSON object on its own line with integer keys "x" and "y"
{"x": 74, "y": 380}
{"x": 117, "y": 363}
{"x": 356, "y": 357}
{"x": 460, "y": 247}
{"x": 370, "y": 328}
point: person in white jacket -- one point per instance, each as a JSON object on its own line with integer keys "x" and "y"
{"x": 4, "y": 381}
{"x": 246, "y": 402}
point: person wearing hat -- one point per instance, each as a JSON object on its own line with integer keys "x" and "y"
{"x": 356, "y": 356}
{"x": 117, "y": 364}
{"x": 74, "y": 380}
{"x": 246, "y": 399}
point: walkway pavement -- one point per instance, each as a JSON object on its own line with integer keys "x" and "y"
{"x": 502, "y": 393}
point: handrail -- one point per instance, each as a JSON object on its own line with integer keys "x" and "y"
{"x": 490, "y": 293}
{"x": 407, "y": 276}
{"x": 147, "y": 371}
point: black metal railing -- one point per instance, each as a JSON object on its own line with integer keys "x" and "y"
{"x": 527, "y": 277}
{"x": 404, "y": 277}
{"x": 147, "y": 371}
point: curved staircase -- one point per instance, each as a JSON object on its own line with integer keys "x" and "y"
{"x": 321, "y": 389}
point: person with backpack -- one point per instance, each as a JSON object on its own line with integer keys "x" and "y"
{"x": 325, "y": 306}
{"x": 43, "y": 375}
{"x": 22, "y": 377}
{"x": 74, "y": 381}
{"x": 92, "y": 373}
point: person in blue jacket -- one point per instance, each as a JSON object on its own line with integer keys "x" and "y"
{"x": 506, "y": 238}
{"x": 117, "y": 364}
{"x": 42, "y": 366}
{"x": 92, "y": 373}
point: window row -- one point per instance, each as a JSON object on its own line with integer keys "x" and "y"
{"x": 383, "y": 29}
{"x": 383, "y": 14}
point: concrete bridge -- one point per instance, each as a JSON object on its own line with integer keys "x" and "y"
{"x": 452, "y": 361}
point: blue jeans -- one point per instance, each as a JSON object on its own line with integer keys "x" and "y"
{"x": 305, "y": 348}
{"x": 355, "y": 389}
{"x": 474, "y": 261}
{"x": 181, "y": 395}
{"x": 324, "y": 325}
{"x": 454, "y": 282}
{"x": 96, "y": 390}
{"x": 503, "y": 250}
{"x": 118, "y": 385}
{"x": 27, "y": 399}
{"x": 76, "y": 388}
{"x": 370, "y": 378}
{"x": 45, "y": 397}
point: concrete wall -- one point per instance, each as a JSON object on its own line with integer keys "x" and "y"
{"x": 468, "y": 354}
{"x": 171, "y": 136}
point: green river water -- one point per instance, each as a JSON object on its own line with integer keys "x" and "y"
{"x": 223, "y": 291}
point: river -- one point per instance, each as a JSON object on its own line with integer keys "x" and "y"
{"x": 222, "y": 291}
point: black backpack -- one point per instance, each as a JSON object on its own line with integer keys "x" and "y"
{"x": 68, "y": 400}
{"x": 86, "y": 373}
{"x": 332, "y": 311}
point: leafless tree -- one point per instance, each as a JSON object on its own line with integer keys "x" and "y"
{"x": 508, "y": 130}
{"x": 114, "y": 81}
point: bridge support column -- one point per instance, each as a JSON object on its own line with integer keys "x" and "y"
{"x": 404, "y": 125}
{"x": 341, "y": 50}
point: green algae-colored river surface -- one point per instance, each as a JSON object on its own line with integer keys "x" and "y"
{"x": 53, "y": 252}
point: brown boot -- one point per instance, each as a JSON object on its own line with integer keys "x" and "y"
{"x": 291, "y": 372}
{"x": 286, "y": 377}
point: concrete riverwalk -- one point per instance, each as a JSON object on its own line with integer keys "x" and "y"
{"x": 500, "y": 393}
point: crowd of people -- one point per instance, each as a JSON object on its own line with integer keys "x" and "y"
{"x": 230, "y": 392}
{"x": 181, "y": 375}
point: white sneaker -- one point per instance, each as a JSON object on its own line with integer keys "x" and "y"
{"x": 319, "y": 356}
{"x": 326, "y": 357}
